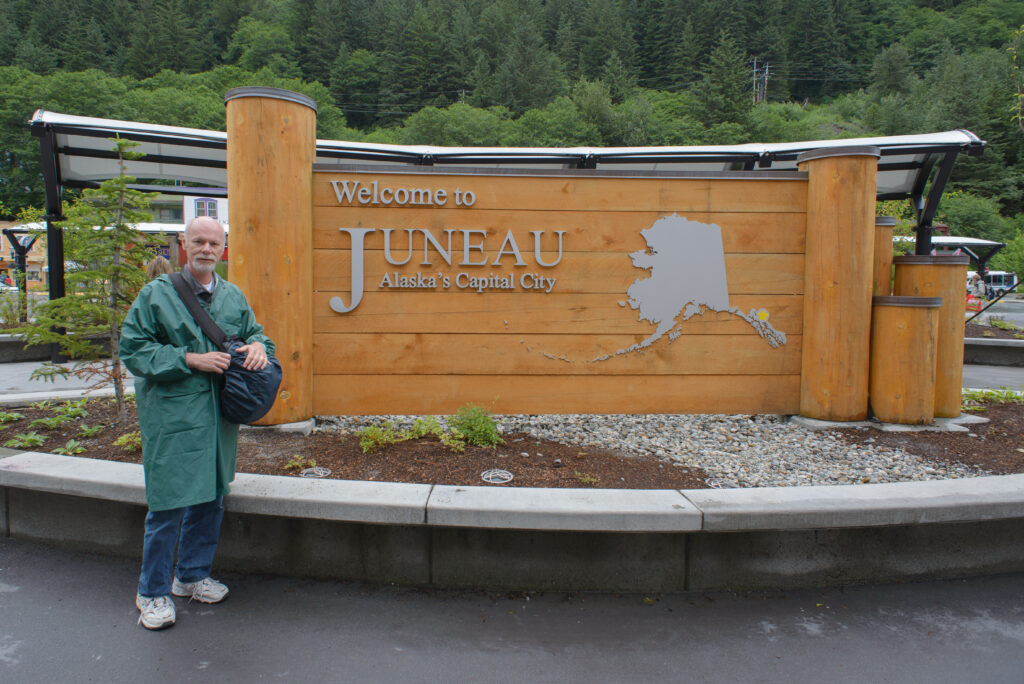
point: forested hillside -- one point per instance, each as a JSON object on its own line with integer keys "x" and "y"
{"x": 549, "y": 73}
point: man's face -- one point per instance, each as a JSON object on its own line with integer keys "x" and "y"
{"x": 204, "y": 246}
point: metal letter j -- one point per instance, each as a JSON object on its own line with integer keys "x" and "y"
{"x": 358, "y": 235}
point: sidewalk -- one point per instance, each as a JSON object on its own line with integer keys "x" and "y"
{"x": 16, "y": 387}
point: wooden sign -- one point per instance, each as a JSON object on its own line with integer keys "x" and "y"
{"x": 533, "y": 292}
{"x": 393, "y": 289}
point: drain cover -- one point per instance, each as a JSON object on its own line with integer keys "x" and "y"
{"x": 316, "y": 471}
{"x": 496, "y": 476}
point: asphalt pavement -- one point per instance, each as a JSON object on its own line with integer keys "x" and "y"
{"x": 69, "y": 617}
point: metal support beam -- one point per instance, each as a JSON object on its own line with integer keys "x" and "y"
{"x": 924, "y": 219}
{"x": 54, "y": 212}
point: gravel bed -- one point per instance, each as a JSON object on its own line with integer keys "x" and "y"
{"x": 735, "y": 450}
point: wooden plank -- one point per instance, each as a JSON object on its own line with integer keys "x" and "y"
{"x": 592, "y": 194}
{"x": 444, "y": 394}
{"x": 578, "y": 272}
{"x": 413, "y": 312}
{"x": 494, "y": 354}
{"x": 742, "y": 232}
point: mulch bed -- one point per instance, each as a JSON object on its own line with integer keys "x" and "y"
{"x": 997, "y": 446}
{"x": 992, "y": 332}
{"x": 546, "y": 463}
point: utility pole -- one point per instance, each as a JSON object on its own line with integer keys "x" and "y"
{"x": 761, "y": 81}
{"x": 755, "y": 80}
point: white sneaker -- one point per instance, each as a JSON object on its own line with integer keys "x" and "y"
{"x": 155, "y": 613}
{"x": 206, "y": 590}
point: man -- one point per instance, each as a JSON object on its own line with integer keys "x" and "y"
{"x": 188, "y": 450}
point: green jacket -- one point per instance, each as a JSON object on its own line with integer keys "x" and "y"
{"x": 188, "y": 450}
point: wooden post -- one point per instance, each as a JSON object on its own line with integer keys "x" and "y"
{"x": 883, "y": 255}
{"x": 903, "y": 333}
{"x": 838, "y": 280}
{"x": 940, "y": 276}
{"x": 270, "y": 150}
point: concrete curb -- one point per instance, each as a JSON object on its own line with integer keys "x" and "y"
{"x": 620, "y": 540}
{"x": 983, "y": 351}
{"x": 12, "y": 349}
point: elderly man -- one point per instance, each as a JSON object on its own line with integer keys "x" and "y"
{"x": 188, "y": 450}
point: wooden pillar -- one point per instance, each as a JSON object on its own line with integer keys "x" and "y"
{"x": 270, "y": 151}
{"x": 838, "y": 280}
{"x": 884, "y": 226}
{"x": 903, "y": 334}
{"x": 940, "y": 276}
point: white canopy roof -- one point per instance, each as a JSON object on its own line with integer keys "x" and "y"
{"x": 82, "y": 154}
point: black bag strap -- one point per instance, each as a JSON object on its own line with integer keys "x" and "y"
{"x": 191, "y": 301}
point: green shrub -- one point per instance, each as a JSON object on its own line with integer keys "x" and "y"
{"x": 376, "y": 437}
{"x": 130, "y": 442}
{"x": 476, "y": 425}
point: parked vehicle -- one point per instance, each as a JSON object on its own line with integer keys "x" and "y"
{"x": 999, "y": 282}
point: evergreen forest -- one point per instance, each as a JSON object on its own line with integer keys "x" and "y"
{"x": 544, "y": 73}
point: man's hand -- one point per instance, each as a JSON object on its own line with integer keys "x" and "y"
{"x": 255, "y": 356}
{"x": 210, "y": 362}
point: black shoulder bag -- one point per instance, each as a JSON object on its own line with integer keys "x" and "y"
{"x": 247, "y": 395}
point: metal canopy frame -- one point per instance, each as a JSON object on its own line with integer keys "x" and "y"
{"x": 75, "y": 154}
{"x": 980, "y": 250}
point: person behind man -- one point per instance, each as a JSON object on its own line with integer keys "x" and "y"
{"x": 978, "y": 286}
{"x": 188, "y": 450}
{"x": 157, "y": 266}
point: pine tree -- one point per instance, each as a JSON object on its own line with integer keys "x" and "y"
{"x": 605, "y": 29}
{"x": 724, "y": 91}
{"x": 527, "y": 76}
{"x": 82, "y": 46}
{"x": 621, "y": 81}
{"x": 322, "y": 38}
{"x": 8, "y": 39}
{"x": 816, "y": 67}
{"x": 684, "y": 71}
{"x": 32, "y": 55}
{"x": 111, "y": 256}
{"x": 567, "y": 45}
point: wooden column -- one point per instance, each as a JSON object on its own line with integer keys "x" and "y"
{"x": 270, "y": 151}
{"x": 884, "y": 226}
{"x": 940, "y": 276}
{"x": 903, "y": 334}
{"x": 838, "y": 280}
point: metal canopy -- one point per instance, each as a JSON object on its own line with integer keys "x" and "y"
{"x": 980, "y": 250}
{"x": 76, "y": 153}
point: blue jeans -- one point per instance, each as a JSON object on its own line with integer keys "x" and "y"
{"x": 198, "y": 528}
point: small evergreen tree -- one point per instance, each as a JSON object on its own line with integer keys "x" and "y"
{"x": 110, "y": 255}
{"x": 724, "y": 92}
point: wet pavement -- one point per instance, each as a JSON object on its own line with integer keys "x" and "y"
{"x": 68, "y": 616}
